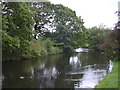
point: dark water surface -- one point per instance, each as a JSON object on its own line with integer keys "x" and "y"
{"x": 79, "y": 70}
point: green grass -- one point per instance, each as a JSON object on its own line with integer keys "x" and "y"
{"x": 111, "y": 80}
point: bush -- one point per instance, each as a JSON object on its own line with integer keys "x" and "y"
{"x": 43, "y": 47}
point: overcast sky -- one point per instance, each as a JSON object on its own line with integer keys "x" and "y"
{"x": 93, "y": 12}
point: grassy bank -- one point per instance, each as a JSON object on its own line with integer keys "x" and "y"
{"x": 111, "y": 80}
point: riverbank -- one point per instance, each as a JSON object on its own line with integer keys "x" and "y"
{"x": 37, "y": 48}
{"x": 111, "y": 80}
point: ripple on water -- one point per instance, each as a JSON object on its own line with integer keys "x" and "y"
{"x": 90, "y": 76}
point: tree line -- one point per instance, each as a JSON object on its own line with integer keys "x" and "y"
{"x": 34, "y": 29}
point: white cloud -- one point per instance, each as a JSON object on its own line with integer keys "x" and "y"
{"x": 93, "y": 12}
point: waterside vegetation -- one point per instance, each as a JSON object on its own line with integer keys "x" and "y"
{"x": 36, "y": 29}
{"x": 111, "y": 80}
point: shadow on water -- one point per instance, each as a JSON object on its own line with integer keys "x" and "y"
{"x": 79, "y": 70}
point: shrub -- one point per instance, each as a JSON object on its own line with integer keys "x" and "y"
{"x": 43, "y": 47}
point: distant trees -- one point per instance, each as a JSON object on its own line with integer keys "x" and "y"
{"x": 113, "y": 46}
{"x": 97, "y": 36}
{"x": 93, "y": 37}
{"x": 103, "y": 39}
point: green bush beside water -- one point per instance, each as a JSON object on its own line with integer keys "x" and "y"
{"x": 111, "y": 80}
{"x": 37, "y": 48}
{"x": 42, "y": 47}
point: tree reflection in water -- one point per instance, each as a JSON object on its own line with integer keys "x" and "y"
{"x": 43, "y": 76}
{"x": 79, "y": 70}
{"x": 75, "y": 62}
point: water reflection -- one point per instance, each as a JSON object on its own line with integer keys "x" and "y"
{"x": 91, "y": 73}
{"x": 90, "y": 76}
{"x": 75, "y": 62}
{"x": 79, "y": 70}
{"x": 44, "y": 77}
{"x": 90, "y": 79}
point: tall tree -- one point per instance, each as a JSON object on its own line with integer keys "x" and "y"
{"x": 57, "y": 22}
{"x": 43, "y": 18}
{"x": 17, "y": 27}
{"x": 67, "y": 25}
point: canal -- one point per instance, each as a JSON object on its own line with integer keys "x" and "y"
{"x": 77, "y": 70}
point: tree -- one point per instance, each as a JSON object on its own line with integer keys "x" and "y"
{"x": 67, "y": 26}
{"x": 43, "y": 18}
{"x": 17, "y": 27}
{"x": 58, "y": 23}
{"x": 93, "y": 37}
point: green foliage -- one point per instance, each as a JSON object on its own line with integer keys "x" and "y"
{"x": 55, "y": 26}
{"x": 44, "y": 47}
{"x": 81, "y": 38}
{"x": 17, "y": 19}
{"x": 17, "y": 27}
{"x": 67, "y": 26}
{"x": 10, "y": 46}
{"x": 10, "y": 43}
{"x": 113, "y": 45}
{"x": 43, "y": 16}
{"x": 93, "y": 37}
{"x": 62, "y": 23}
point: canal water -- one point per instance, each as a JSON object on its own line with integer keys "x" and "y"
{"x": 77, "y": 70}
